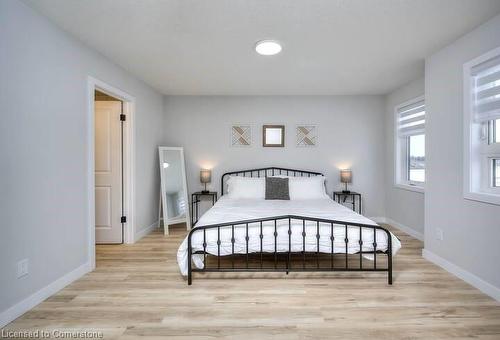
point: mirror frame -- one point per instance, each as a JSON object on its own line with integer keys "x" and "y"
{"x": 163, "y": 180}
{"x": 282, "y": 137}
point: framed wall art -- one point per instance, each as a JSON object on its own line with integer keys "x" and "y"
{"x": 241, "y": 135}
{"x": 307, "y": 135}
{"x": 273, "y": 136}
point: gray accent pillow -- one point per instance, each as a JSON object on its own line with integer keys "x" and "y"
{"x": 277, "y": 188}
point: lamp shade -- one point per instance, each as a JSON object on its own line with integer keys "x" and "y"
{"x": 346, "y": 176}
{"x": 205, "y": 176}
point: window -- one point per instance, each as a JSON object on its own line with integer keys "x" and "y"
{"x": 494, "y": 137}
{"x": 494, "y": 131}
{"x": 410, "y": 145}
{"x": 416, "y": 158}
{"x": 482, "y": 128}
{"x": 496, "y": 172}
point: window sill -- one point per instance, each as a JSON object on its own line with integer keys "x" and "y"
{"x": 483, "y": 197}
{"x": 409, "y": 187}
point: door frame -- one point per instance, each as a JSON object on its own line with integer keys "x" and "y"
{"x": 128, "y": 161}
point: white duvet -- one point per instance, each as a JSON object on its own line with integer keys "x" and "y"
{"x": 231, "y": 210}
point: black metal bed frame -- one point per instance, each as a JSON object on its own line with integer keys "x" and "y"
{"x": 305, "y": 255}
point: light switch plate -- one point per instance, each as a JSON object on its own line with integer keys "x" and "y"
{"x": 439, "y": 234}
{"x": 22, "y": 268}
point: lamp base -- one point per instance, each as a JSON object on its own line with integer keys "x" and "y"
{"x": 205, "y": 191}
{"x": 346, "y": 191}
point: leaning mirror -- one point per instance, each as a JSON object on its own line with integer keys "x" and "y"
{"x": 174, "y": 199}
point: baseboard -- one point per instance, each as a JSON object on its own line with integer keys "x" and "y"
{"x": 378, "y": 219}
{"x": 462, "y": 274}
{"x": 140, "y": 234}
{"x": 410, "y": 231}
{"x": 31, "y": 301}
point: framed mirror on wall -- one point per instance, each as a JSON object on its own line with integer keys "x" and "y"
{"x": 174, "y": 194}
{"x": 273, "y": 136}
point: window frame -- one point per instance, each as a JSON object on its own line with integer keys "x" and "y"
{"x": 401, "y": 153}
{"x": 477, "y": 150}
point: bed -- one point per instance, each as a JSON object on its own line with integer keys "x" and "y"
{"x": 314, "y": 234}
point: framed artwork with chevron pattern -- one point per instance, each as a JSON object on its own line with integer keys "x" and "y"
{"x": 241, "y": 135}
{"x": 307, "y": 135}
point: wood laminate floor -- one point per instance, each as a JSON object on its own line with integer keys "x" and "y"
{"x": 137, "y": 292}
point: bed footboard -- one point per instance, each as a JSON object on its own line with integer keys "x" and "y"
{"x": 291, "y": 260}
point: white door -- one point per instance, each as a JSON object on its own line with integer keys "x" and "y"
{"x": 108, "y": 172}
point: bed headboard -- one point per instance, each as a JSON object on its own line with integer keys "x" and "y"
{"x": 264, "y": 172}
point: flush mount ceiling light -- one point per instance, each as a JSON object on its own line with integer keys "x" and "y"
{"x": 268, "y": 47}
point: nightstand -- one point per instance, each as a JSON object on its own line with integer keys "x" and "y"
{"x": 195, "y": 199}
{"x": 341, "y": 197}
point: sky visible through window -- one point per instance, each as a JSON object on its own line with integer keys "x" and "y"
{"x": 497, "y": 129}
{"x": 495, "y": 138}
{"x": 416, "y": 158}
{"x": 496, "y": 164}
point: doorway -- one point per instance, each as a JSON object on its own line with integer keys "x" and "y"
{"x": 108, "y": 168}
{"x": 110, "y": 123}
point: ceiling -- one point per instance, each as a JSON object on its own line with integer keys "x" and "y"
{"x": 193, "y": 47}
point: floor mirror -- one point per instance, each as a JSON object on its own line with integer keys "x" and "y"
{"x": 174, "y": 204}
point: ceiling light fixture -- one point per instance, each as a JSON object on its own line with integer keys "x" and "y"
{"x": 268, "y": 47}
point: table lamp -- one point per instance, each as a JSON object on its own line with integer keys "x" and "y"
{"x": 205, "y": 177}
{"x": 346, "y": 177}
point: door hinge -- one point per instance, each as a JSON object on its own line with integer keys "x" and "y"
{"x": 122, "y": 117}
{"x": 124, "y": 219}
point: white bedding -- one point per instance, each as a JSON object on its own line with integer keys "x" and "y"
{"x": 231, "y": 210}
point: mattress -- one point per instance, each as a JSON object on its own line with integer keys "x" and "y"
{"x": 232, "y": 210}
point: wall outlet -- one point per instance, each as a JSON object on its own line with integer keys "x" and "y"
{"x": 439, "y": 234}
{"x": 22, "y": 268}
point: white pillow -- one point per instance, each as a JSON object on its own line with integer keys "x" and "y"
{"x": 246, "y": 187}
{"x": 306, "y": 188}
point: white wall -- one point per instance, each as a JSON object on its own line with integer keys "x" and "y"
{"x": 351, "y": 134}
{"x": 402, "y": 206}
{"x": 43, "y": 143}
{"x": 471, "y": 229}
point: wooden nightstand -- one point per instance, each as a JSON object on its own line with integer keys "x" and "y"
{"x": 341, "y": 197}
{"x": 195, "y": 199}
